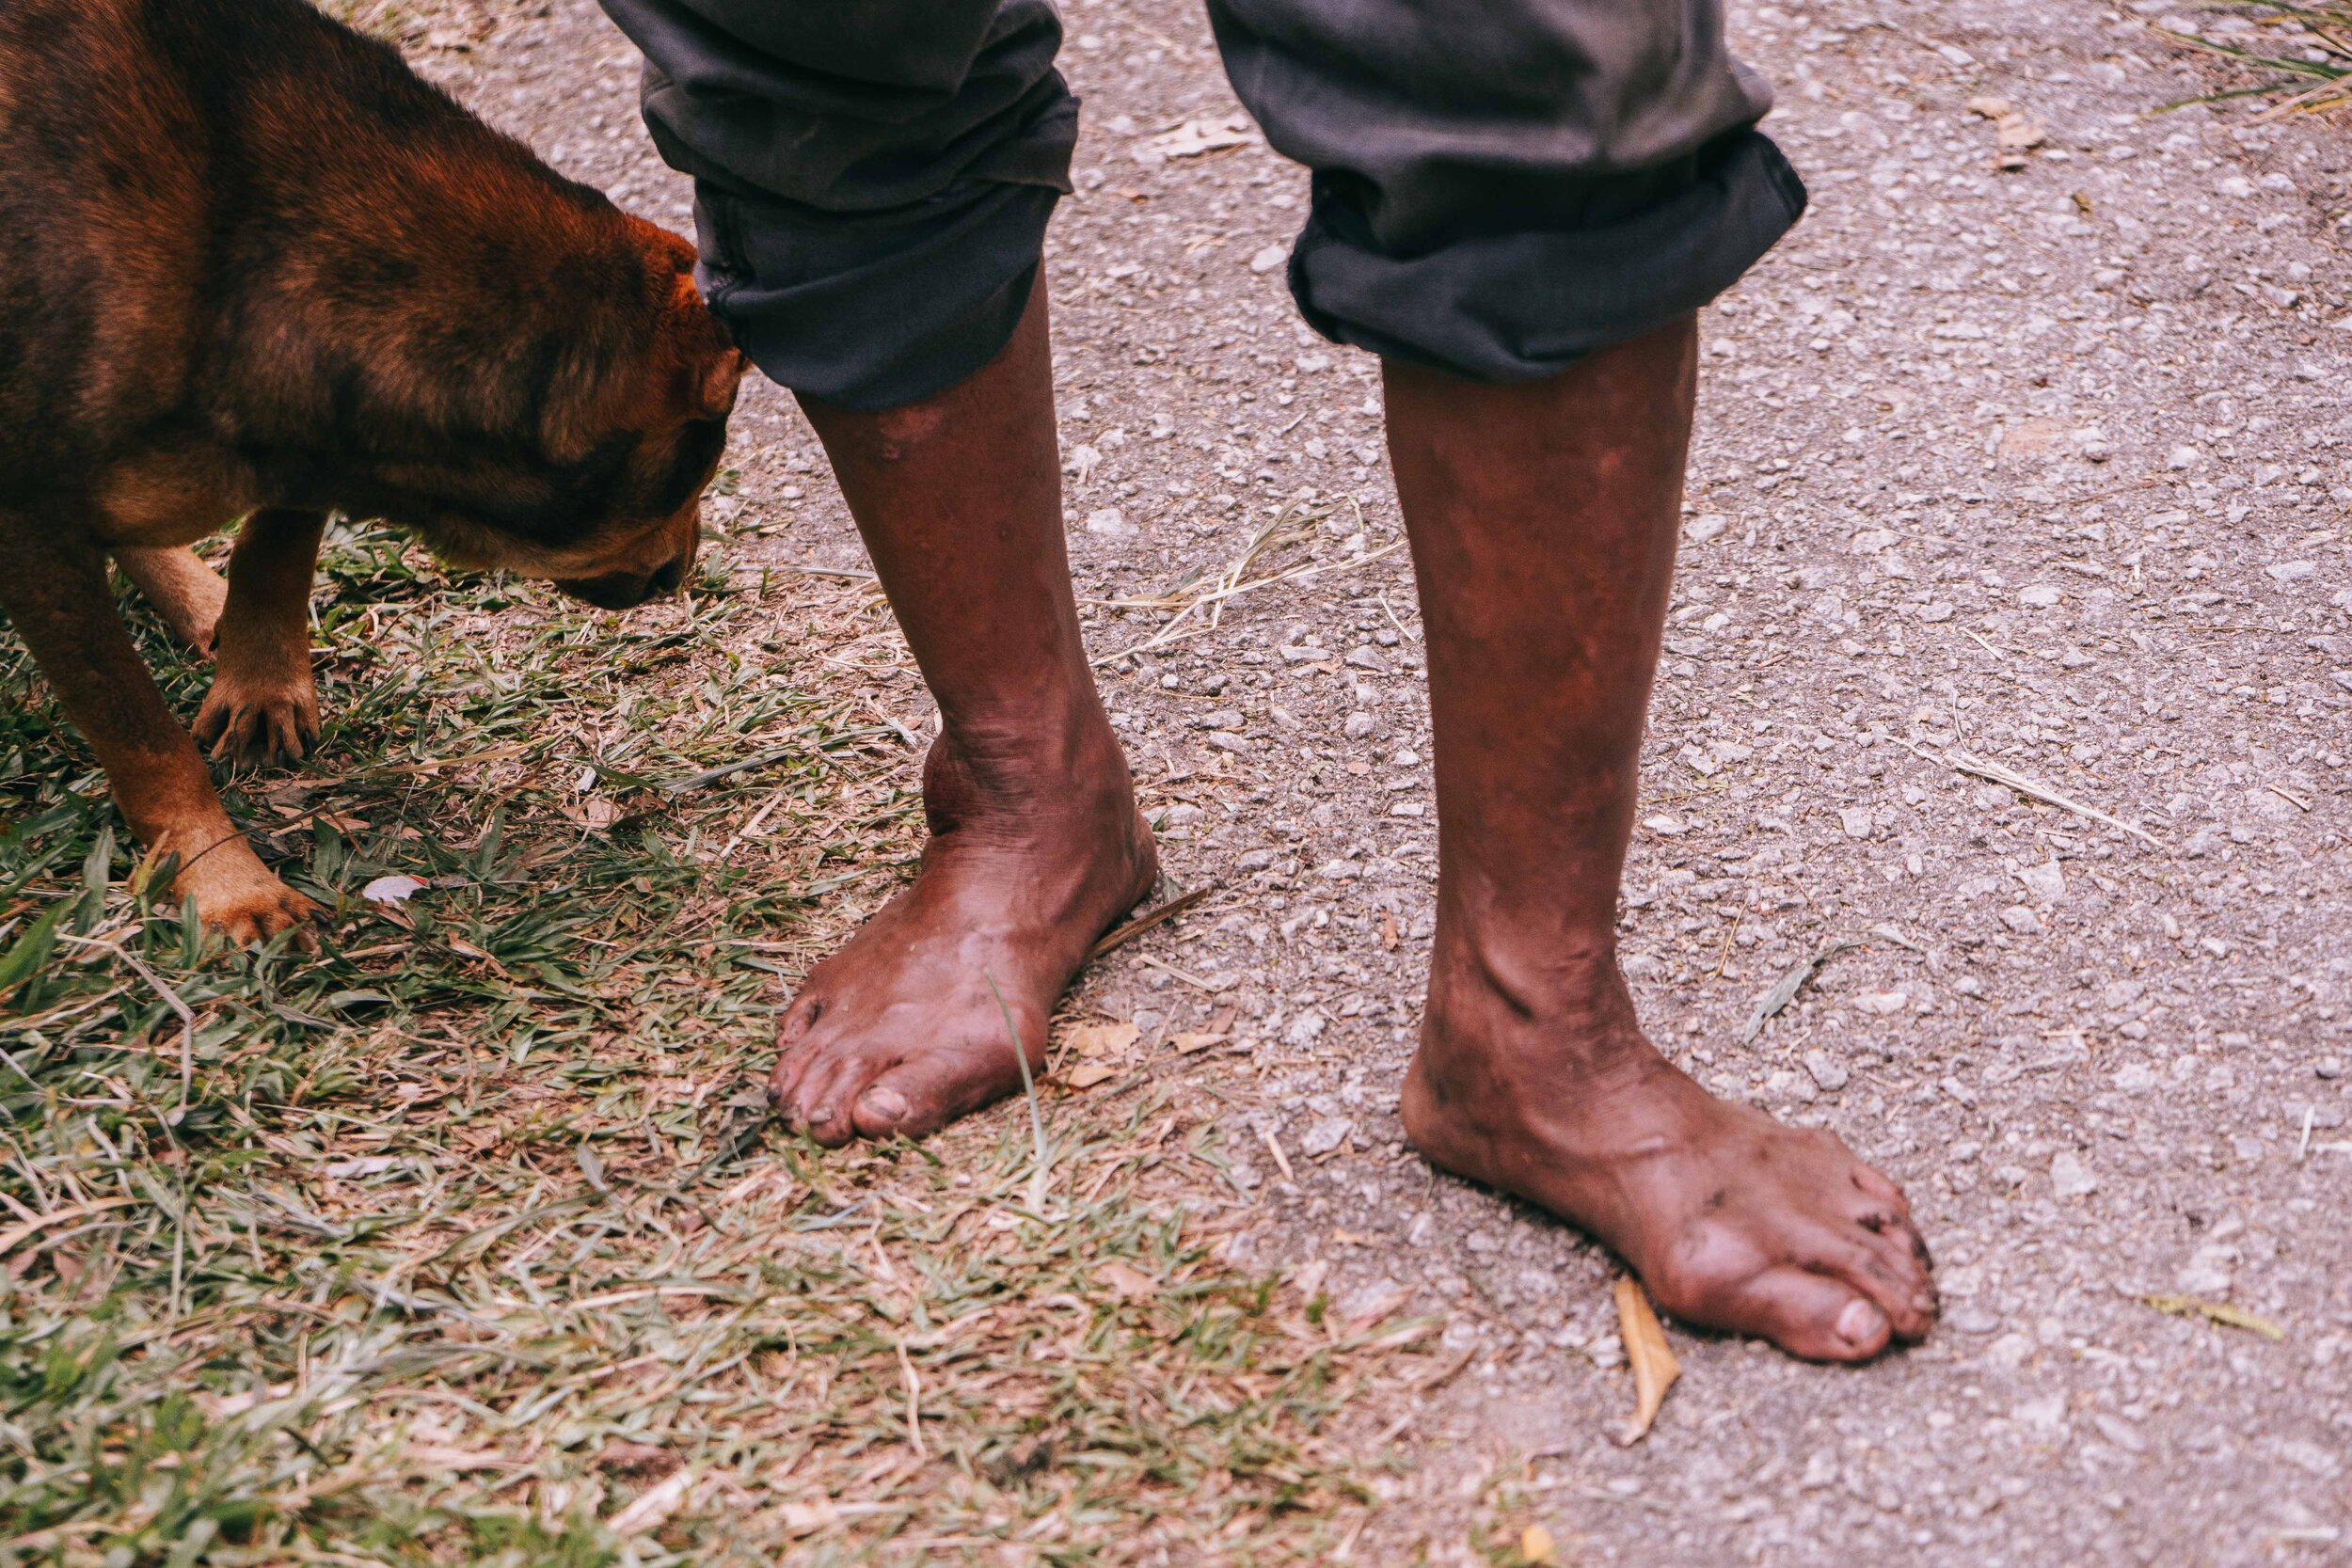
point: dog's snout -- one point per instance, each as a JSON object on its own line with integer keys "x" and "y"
{"x": 614, "y": 591}
{"x": 627, "y": 590}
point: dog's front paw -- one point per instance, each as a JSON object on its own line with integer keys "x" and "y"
{"x": 259, "y": 721}
{"x": 238, "y": 896}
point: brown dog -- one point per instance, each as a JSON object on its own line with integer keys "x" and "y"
{"x": 251, "y": 265}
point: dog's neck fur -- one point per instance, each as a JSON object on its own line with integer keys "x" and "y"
{"x": 412, "y": 313}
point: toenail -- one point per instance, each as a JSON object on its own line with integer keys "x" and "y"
{"x": 1861, "y": 1323}
{"x": 820, "y": 1116}
{"x": 885, "y": 1103}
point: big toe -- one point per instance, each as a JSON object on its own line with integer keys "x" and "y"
{"x": 885, "y": 1111}
{"x": 1812, "y": 1316}
{"x": 923, "y": 1093}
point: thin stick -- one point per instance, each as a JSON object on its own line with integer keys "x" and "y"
{"x": 1142, "y": 922}
{"x": 1985, "y": 768}
{"x": 1281, "y": 1159}
{"x": 1217, "y": 597}
{"x": 914, "y": 1404}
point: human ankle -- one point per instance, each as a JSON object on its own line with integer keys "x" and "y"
{"x": 993, "y": 775}
{"x": 1540, "y": 975}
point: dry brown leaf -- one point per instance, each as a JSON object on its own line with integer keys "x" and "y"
{"x": 652, "y": 1508}
{"x": 1126, "y": 1283}
{"x": 1988, "y": 107}
{"x": 1655, "y": 1368}
{"x": 1102, "y": 1040}
{"x": 1208, "y": 133}
{"x": 1186, "y": 1044}
{"x": 1536, "y": 1547}
{"x": 1086, "y": 1074}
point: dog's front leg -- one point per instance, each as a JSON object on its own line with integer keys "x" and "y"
{"x": 53, "y": 582}
{"x": 187, "y": 594}
{"x": 264, "y": 706}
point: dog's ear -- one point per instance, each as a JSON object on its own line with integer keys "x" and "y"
{"x": 719, "y": 380}
{"x": 712, "y": 366}
{"x": 675, "y": 250}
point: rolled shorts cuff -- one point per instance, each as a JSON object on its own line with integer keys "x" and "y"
{"x": 1525, "y": 303}
{"x": 873, "y": 311}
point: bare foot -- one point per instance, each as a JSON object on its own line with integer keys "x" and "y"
{"x": 1732, "y": 1220}
{"x": 1033, "y": 853}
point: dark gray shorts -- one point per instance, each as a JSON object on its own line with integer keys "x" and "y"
{"x": 1501, "y": 186}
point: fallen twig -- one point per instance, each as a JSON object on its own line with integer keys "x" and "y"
{"x": 2216, "y": 1311}
{"x": 1784, "y": 991}
{"x": 1122, "y": 935}
{"x": 1985, "y": 768}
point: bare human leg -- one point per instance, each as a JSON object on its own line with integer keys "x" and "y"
{"x": 1543, "y": 519}
{"x": 1035, "y": 844}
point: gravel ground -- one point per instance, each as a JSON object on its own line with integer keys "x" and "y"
{"x": 2043, "y": 470}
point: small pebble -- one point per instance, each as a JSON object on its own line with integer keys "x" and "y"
{"x": 2071, "y": 1178}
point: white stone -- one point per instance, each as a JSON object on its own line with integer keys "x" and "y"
{"x": 1324, "y": 1135}
{"x": 2047, "y": 881}
{"x": 2071, "y": 1178}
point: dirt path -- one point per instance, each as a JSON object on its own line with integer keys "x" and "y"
{"x": 2045, "y": 469}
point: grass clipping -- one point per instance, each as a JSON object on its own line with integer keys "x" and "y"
{"x": 2303, "y": 47}
{"x": 469, "y": 1240}
{"x": 1646, "y": 1352}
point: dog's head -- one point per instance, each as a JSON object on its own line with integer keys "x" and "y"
{"x": 608, "y": 421}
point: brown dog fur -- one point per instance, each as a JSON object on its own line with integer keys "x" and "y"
{"x": 251, "y": 265}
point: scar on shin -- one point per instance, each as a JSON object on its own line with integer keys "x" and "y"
{"x": 904, "y": 428}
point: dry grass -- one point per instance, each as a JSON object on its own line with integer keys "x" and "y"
{"x": 466, "y": 1241}
{"x": 2303, "y": 48}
